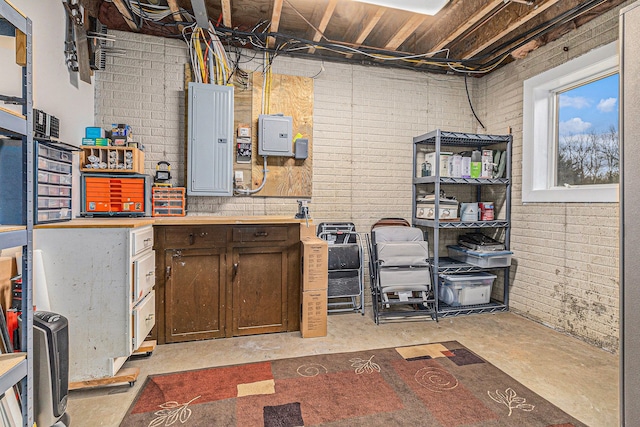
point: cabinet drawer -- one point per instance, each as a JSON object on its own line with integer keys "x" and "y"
{"x": 141, "y": 239}
{"x": 143, "y": 318}
{"x": 261, "y": 234}
{"x": 194, "y": 237}
{"x": 144, "y": 270}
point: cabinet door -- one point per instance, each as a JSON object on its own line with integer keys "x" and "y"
{"x": 195, "y": 294}
{"x": 260, "y": 279}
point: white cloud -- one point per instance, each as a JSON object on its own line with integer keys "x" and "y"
{"x": 573, "y": 126}
{"x": 574, "y": 101}
{"x": 607, "y": 105}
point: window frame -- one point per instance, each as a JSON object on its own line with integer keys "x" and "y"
{"x": 539, "y": 141}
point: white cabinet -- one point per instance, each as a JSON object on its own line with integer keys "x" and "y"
{"x": 102, "y": 280}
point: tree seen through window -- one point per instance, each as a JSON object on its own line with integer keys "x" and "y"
{"x": 588, "y": 148}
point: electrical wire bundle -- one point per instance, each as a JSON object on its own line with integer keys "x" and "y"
{"x": 152, "y": 14}
{"x": 209, "y": 59}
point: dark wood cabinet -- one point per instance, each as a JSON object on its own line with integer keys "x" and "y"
{"x": 195, "y": 300}
{"x": 226, "y": 280}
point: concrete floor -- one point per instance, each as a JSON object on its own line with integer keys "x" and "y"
{"x": 577, "y": 377}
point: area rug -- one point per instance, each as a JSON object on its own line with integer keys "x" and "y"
{"x": 440, "y": 384}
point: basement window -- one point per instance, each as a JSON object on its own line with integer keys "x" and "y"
{"x": 570, "y": 131}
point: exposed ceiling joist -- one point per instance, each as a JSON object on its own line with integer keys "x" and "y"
{"x": 370, "y": 23}
{"x": 275, "y": 20}
{"x": 226, "y": 13}
{"x": 480, "y": 32}
{"x": 126, "y": 14}
{"x": 175, "y": 12}
{"x": 467, "y": 24}
{"x": 505, "y": 31}
{"x": 326, "y": 17}
{"x": 405, "y": 31}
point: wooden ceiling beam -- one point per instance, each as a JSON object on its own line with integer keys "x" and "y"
{"x": 175, "y": 12}
{"x": 405, "y": 31}
{"x": 324, "y": 22}
{"x": 126, "y": 14}
{"x": 504, "y": 31}
{"x": 226, "y": 13}
{"x": 467, "y": 24}
{"x": 371, "y": 20}
{"x": 275, "y": 21}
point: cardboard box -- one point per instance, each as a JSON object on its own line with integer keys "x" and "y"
{"x": 94, "y": 132}
{"x": 444, "y": 162}
{"x": 315, "y": 258}
{"x": 447, "y": 211}
{"x": 314, "y": 314}
{"x": 100, "y": 142}
{"x": 305, "y": 231}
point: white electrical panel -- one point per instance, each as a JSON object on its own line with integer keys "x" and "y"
{"x": 210, "y": 140}
{"x": 275, "y": 135}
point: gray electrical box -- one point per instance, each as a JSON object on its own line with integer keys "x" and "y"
{"x": 210, "y": 140}
{"x": 302, "y": 149}
{"x": 275, "y": 135}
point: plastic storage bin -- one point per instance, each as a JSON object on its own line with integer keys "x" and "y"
{"x": 465, "y": 289}
{"x": 491, "y": 259}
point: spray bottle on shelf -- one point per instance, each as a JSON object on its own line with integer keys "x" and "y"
{"x": 476, "y": 164}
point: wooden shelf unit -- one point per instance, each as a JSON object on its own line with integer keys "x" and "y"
{"x": 109, "y": 157}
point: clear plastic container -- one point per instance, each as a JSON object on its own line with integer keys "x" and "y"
{"x": 490, "y": 259}
{"x": 465, "y": 289}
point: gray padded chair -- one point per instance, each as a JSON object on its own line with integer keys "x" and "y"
{"x": 400, "y": 273}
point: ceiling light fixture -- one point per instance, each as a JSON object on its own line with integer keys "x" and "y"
{"x": 425, "y": 7}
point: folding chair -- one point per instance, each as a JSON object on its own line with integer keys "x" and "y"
{"x": 346, "y": 279}
{"x": 400, "y": 273}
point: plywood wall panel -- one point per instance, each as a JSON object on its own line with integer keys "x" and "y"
{"x": 291, "y": 96}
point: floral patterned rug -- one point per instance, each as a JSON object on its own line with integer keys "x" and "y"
{"x": 440, "y": 384}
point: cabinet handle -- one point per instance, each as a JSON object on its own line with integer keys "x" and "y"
{"x": 149, "y": 317}
{"x": 235, "y": 270}
{"x": 150, "y": 274}
{"x": 261, "y": 234}
{"x": 147, "y": 240}
{"x": 191, "y": 239}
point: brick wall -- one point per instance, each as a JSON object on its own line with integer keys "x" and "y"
{"x": 364, "y": 120}
{"x": 566, "y": 254}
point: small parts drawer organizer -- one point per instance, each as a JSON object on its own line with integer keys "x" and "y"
{"x": 168, "y": 201}
{"x": 114, "y": 195}
{"x": 54, "y": 182}
{"x": 112, "y": 159}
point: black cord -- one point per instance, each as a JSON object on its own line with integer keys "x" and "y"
{"x": 466, "y": 87}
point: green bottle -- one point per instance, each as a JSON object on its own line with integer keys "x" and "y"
{"x": 476, "y": 164}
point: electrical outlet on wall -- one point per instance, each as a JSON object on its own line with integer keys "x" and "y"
{"x": 239, "y": 179}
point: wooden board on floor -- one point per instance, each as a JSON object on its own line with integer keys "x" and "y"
{"x": 146, "y": 347}
{"x": 126, "y": 375}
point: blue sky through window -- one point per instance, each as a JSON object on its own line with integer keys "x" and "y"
{"x": 592, "y": 107}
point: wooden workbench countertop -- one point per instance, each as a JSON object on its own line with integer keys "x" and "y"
{"x": 122, "y": 222}
{"x": 212, "y": 219}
